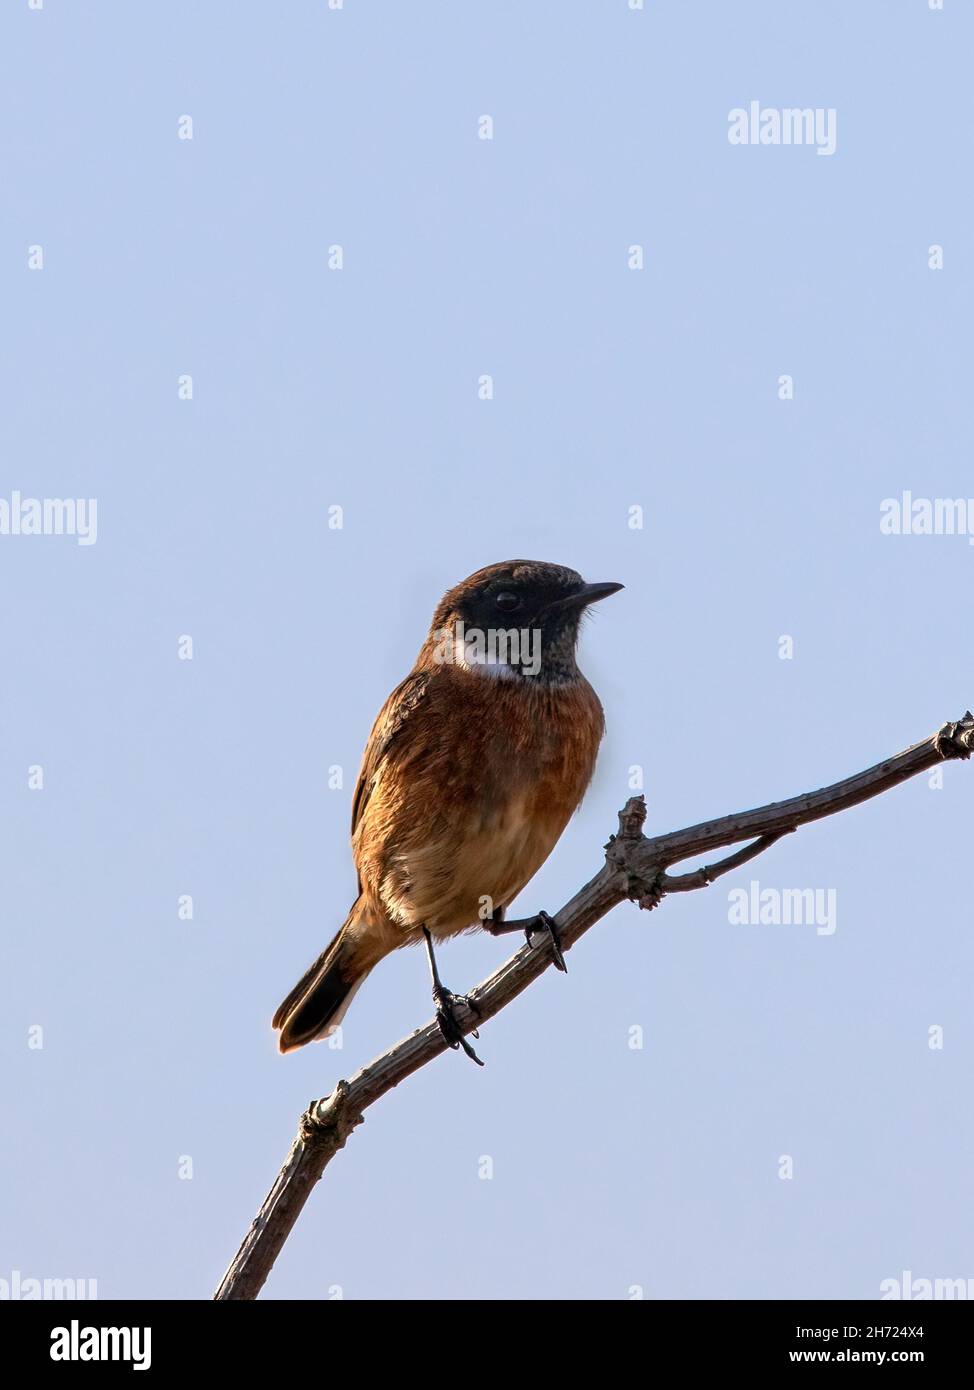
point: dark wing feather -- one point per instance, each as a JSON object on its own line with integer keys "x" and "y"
{"x": 390, "y": 722}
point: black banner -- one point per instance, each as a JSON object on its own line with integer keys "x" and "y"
{"x": 289, "y": 1339}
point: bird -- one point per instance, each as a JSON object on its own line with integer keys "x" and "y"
{"x": 474, "y": 766}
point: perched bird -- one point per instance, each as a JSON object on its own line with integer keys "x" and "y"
{"x": 471, "y": 773}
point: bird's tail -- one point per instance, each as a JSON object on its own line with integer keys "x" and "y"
{"x": 317, "y": 1003}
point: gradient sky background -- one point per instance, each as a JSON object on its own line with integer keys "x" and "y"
{"x": 613, "y": 1167}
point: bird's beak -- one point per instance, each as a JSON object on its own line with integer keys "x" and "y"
{"x": 581, "y": 598}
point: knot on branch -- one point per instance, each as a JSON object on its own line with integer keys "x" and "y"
{"x": 956, "y": 740}
{"x": 651, "y": 894}
{"x": 632, "y": 818}
{"x": 629, "y": 852}
{"x": 327, "y": 1123}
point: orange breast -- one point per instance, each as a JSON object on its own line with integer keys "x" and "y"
{"x": 473, "y": 796}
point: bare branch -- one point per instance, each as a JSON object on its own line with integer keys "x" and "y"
{"x": 635, "y": 869}
{"x": 704, "y": 877}
{"x": 954, "y": 740}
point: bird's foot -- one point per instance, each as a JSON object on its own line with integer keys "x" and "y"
{"x": 546, "y": 923}
{"x": 541, "y": 921}
{"x": 446, "y": 1002}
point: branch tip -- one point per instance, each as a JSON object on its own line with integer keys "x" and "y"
{"x": 956, "y": 739}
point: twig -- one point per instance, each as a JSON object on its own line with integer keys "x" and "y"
{"x": 636, "y": 869}
{"x": 704, "y": 877}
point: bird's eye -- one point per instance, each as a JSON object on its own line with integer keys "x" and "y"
{"x": 508, "y": 602}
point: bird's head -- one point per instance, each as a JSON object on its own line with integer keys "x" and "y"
{"x": 516, "y": 619}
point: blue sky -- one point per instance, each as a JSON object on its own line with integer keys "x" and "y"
{"x": 614, "y": 1169}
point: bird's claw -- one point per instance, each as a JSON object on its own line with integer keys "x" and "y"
{"x": 544, "y": 921}
{"x": 445, "y": 1001}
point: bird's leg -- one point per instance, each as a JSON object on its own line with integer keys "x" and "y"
{"x": 445, "y": 999}
{"x": 541, "y": 921}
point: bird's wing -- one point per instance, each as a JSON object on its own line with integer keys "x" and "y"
{"x": 392, "y": 718}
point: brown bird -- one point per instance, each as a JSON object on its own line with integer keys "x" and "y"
{"x": 471, "y": 773}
